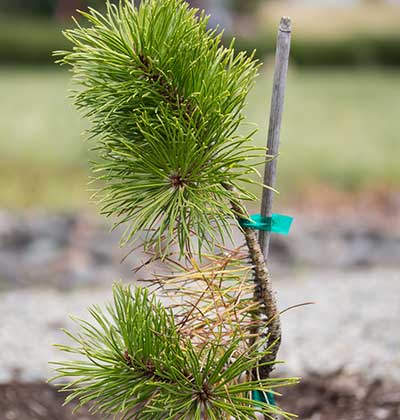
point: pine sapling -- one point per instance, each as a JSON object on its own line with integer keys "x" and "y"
{"x": 165, "y": 100}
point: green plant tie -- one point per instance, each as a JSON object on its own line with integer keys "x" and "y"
{"x": 278, "y": 223}
{"x": 264, "y": 397}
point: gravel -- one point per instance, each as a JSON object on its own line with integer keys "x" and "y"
{"x": 354, "y": 325}
{"x": 53, "y": 265}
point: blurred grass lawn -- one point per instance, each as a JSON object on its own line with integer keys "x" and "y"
{"x": 341, "y": 127}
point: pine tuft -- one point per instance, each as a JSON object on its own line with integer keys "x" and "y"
{"x": 165, "y": 101}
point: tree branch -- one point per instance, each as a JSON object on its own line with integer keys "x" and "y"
{"x": 264, "y": 294}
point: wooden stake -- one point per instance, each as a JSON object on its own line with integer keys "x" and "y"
{"x": 275, "y": 120}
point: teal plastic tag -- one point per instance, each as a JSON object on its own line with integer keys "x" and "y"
{"x": 264, "y": 397}
{"x": 278, "y": 223}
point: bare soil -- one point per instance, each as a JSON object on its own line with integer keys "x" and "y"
{"x": 316, "y": 398}
{"x": 342, "y": 398}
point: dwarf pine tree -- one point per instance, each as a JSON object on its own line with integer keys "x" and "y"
{"x": 165, "y": 101}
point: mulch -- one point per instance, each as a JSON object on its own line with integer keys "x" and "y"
{"x": 340, "y": 397}
{"x": 317, "y": 398}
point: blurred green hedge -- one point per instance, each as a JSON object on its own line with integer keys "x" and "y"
{"x": 354, "y": 50}
{"x": 25, "y": 41}
{"x": 32, "y": 42}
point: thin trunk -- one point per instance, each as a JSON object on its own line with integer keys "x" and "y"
{"x": 264, "y": 294}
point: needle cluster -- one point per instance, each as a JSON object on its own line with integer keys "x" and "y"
{"x": 133, "y": 364}
{"x": 165, "y": 100}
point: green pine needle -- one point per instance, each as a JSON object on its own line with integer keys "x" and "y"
{"x": 133, "y": 364}
{"x": 165, "y": 99}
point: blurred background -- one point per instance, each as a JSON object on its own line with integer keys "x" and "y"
{"x": 338, "y": 174}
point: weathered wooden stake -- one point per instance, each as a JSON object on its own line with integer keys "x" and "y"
{"x": 275, "y": 120}
{"x": 274, "y": 131}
